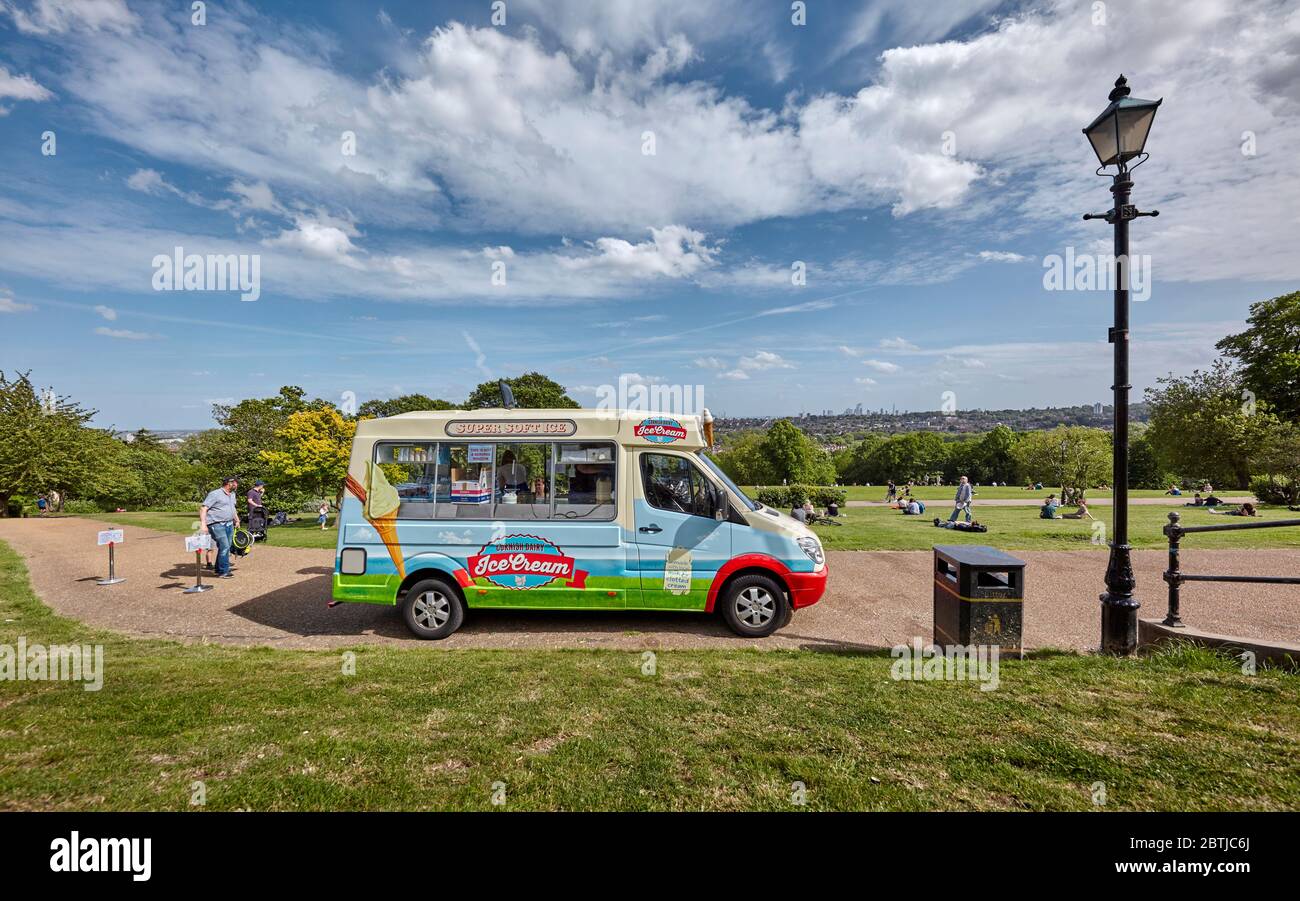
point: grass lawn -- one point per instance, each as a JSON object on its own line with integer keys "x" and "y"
{"x": 882, "y": 529}
{"x": 1019, "y": 528}
{"x": 1010, "y": 492}
{"x": 296, "y": 534}
{"x": 712, "y": 730}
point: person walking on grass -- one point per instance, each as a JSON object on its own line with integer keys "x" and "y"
{"x": 323, "y": 514}
{"x": 962, "y": 500}
{"x": 217, "y": 514}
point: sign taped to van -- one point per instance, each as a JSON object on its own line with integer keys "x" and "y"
{"x": 521, "y": 562}
{"x": 508, "y": 428}
{"x": 660, "y": 430}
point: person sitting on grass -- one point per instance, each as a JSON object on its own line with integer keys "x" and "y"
{"x": 1048, "y": 510}
{"x": 1175, "y": 491}
{"x": 914, "y": 508}
{"x": 1196, "y": 501}
{"x": 1080, "y": 513}
{"x": 1246, "y": 509}
{"x": 1212, "y": 501}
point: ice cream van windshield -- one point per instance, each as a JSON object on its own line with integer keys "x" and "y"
{"x": 722, "y": 477}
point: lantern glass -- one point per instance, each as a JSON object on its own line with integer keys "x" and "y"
{"x": 1120, "y": 133}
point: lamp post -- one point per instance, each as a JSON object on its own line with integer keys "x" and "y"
{"x": 1117, "y": 136}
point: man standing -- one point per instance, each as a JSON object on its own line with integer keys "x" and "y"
{"x": 218, "y": 515}
{"x": 962, "y": 500}
{"x": 255, "y": 496}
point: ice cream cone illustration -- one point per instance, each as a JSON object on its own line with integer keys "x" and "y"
{"x": 380, "y": 509}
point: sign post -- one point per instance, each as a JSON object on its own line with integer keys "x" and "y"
{"x": 198, "y": 544}
{"x": 110, "y": 537}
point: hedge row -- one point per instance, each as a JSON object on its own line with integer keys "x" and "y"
{"x": 783, "y": 497}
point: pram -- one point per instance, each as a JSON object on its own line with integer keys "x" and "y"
{"x": 257, "y": 523}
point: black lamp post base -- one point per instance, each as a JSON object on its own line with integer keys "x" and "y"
{"x": 1119, "y": 609}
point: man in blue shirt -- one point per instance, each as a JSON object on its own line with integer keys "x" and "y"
{"x": 962, "y": 500}
{"x": 218, "y": 515}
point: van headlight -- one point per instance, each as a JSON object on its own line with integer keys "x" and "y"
{"x": 813, "y": 548}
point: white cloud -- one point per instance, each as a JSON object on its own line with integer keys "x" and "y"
{"x": 9, "y": 305}
{"x": 863, "y": 380}
{"x": 763, "y": 359}
{"x": 674, "y": 251}
{"x": 321, "y": 237}
{"x": 46, "y": 17}
{"x": 882, "y": 366}
{"x": 709, "y": 363}
{"x": 20, "y": 87}
{"x": 122, "y": 333}
{"x": 1002, "y": 256}
{"x": 107, "y": 312}
{"x": 849, "y": 351}
{"x": 897, "y": 344}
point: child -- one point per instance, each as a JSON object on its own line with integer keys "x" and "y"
{"x": 322, "y": 514}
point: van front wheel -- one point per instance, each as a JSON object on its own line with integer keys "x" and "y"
{"x": 432, "y": 609}
{"x": 755, "y": 606}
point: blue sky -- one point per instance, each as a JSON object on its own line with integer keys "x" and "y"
{"x": 643, "y": 179}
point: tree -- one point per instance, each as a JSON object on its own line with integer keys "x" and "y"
{"x": 532, "y": 390}
{"x": 407, "y": 403}
{"x": 1201, "y": 428}
{"x": 997, "y": 454}
{"x": 1144, "y": 470}
{"x": 1269, "y": 353}
{"x": 1074, "y": 457}
{"x": 248, "y": 428}
{"x": 794, "y": 457}
{"x": 907, "y": 457}
{"x": 45, "y": 444}
{"x": 317, "y": 444}
{"x": 1279, "y": 462}
{"x": 742, "y": 458}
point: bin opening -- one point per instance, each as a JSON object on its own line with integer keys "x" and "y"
{"x": 944, "y": 568}
{"x": 985, "y": 579}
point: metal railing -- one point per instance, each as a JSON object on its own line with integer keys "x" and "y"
{"x": 1176, "y": 577}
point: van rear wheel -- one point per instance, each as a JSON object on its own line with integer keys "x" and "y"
{"x": 755, "y": 606}
{"x": 432, "y": 609}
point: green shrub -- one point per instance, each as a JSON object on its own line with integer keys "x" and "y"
{"x": 1275, "y": 490}
{"x": 82, "y": 506}
{"x": 783, "y": 497}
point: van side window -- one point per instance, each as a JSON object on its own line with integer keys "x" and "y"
{"x": 411, "y": 468}
{"x": 673, "y": 484}
{"x": 584, "y": 480}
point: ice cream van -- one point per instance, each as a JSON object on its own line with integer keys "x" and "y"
{"x": 456, "y": 510}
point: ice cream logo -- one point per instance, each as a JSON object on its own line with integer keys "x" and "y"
{"x": 660, "y": 430}
{"x": 379, "y": 503}
{"x": 522, "y": 562}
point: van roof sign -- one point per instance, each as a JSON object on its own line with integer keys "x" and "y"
{"x": 512, "y": 428}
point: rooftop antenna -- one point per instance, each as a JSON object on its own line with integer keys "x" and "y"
{"x": 507, "y": 396}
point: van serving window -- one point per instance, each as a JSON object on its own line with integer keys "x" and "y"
{"x": 515, "y": 480}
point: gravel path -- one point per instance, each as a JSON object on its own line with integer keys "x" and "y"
{"x": 875, "y": 599}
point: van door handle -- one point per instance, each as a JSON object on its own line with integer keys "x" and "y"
{"x": 650, "y": 528}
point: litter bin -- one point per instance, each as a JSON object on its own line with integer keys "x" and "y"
{"x": 979, "y": 596}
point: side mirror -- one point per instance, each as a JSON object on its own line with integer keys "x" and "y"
{"x": 721, "y": 504}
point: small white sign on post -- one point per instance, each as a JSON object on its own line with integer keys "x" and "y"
{"x": 198, "y": 542}
{"x": 111, "y": 536}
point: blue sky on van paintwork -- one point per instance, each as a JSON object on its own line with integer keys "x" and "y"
{"x": 921, "y": 160}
